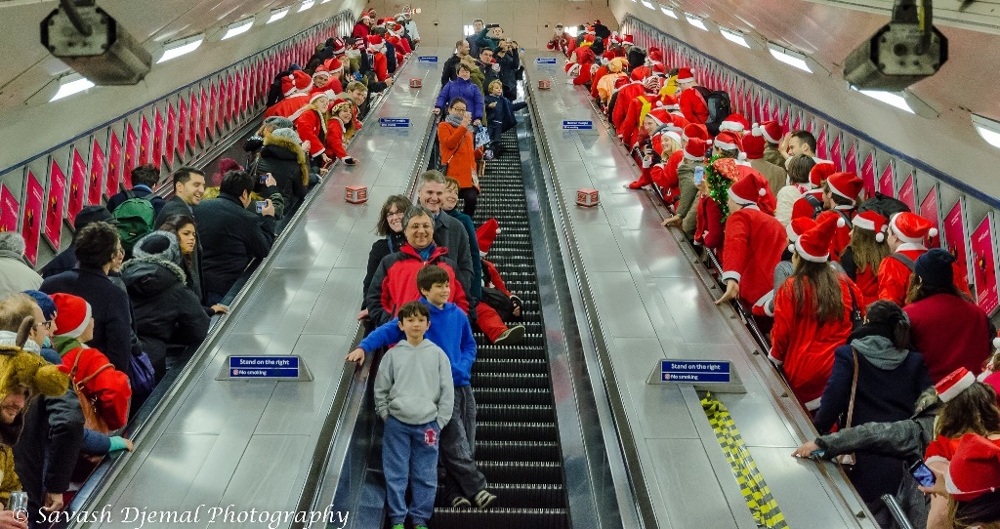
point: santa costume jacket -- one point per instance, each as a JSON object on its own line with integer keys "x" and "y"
{"x": 754, "y": 242}
{"x": 693, "y": 106}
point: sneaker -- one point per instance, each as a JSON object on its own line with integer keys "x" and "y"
{"x": 421, "y": 526}
{"x": 398, "y": 526}
{"x": 511, "y": 336}
{"x": 484, "y": 499}
{"x": 460, "y": 502}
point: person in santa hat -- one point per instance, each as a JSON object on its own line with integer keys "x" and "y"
{"x": 602, "y": 70}
{"x": 363, "y": 26}
{"x": 581, "y": 73}
{"x": 341, "y": 119}
{"x": 949, "y": 329}
{"x": 771, "y": 132}
{"x": 753, "y": 146}
{"x": 376, "y": 59}
{"x": 907, "y": 232}
{"x": 727, "y": 145}
{"x": 638, "y": 69}
{"x": 713, "y": 197}
{"x": 812, "y": 315}
{"x": 735, "y": 123}
{"x": 336, "y": 69}
{"x": 810, "y": 202}
{"x": 688, "y": 170}
{"x": 861, "y": 259}
{"x": 559, "y": 40}
{"x": 607, "y": 83}
{"x": 972, "y": 482}
{"x": 651, "y": 154}
{"x": 295, "y": 88}
{"x": 630, "y": 128}
{"x": 486, "y": 234}
{"x": 310, "y": 122}
{"x": 837, "y": 200}
{"x": 395, "y": 36}
{"x": 754, "y": 242}
{"x": 626, "y": 95}
{"x": 785, "y": 268}
{"x": 663, "y": 173}
{"x": 692, "y": 103}
{"x": 321, "y": 76}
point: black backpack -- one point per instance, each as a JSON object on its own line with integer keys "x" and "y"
{"x": 719, "y": 107}
{"x": 883, "y": 205}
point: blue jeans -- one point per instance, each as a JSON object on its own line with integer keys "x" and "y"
{"x": 410, "y": 452}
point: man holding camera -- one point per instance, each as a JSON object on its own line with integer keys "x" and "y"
{"x": 508, "y": 56}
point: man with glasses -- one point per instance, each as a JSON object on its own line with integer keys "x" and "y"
{"x": 99, "y": 251}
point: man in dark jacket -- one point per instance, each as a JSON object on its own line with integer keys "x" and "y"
{"x": 450, "y": 71}
{"x": 98, "y": 249}
{"x": 491, "y": 70}
{"x": 66, "y": 260}
{"x": 508, "y": 57}
{"x": 232, "y": 236}
{"x": 189, "y": 187}
{"x": 144, "y": 178}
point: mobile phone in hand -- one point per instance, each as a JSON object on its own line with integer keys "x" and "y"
{"x": 922, "y": 474}
{"x": 261, "y": 205}
{"x": 263, "y": 178}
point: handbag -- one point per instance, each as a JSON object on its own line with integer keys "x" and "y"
{"x": 850, "y": 459}
{"x": 92, "y": 420}
{"x": 443, "y": 167}
{"x": 857, "y": 320}
{"x": 142, "y": 380}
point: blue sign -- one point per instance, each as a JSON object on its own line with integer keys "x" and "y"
{"x": 695, "y": 371}
{"x": 545, "y": 60}
{"x": 427, "y": 58}
{"x": 577, "y": 125}
{"x": 394, "y": 122}
{"x": 264, "y": 366}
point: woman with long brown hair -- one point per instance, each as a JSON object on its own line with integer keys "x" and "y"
{"x": 867, "y": 249}
{"x": 183, "y": 227}
{"x": 812, "y": 315}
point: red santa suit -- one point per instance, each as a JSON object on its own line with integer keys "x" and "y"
{"x": 335, "y": 130}
{"x": 754, "y": 242}
{"x": 625, "y": 96}
{"x": 894, "y": 276}
{"x": 693, "y": 106}
{"x": 601, "y": 72}
{"x": 803, "y": 208}
{"x": 312, "y": 128}
{"x": 288, "y": 106}
{"x": 710, "y": 229}
{"x": 664, "y": 175}
{"x": 376, "y": 58}
{"x": 631, "y": 127}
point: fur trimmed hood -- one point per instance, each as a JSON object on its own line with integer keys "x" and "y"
{"x": 273, "y": 147}
{"x": 149, "y": 276}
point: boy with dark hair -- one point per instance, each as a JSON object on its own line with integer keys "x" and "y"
{"x": 451, "y": 331}
{"x": 414, "y": 396}
{"x": 144, "y": 178}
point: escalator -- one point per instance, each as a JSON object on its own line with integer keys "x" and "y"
{"x": 517, "y": 437}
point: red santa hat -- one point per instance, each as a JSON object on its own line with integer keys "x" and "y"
{"x": 339, "y": 47}
{"x": 769, "y": 130}
{"x": 321, "y": 70}
{"x": 589, "y": 30}
{"x": 685, "y": 75}
{"x": 748, "y": 190}
{"x": 660, "y": 116}
{"x": 486, "y": 234}
{"x": 573, "y": 69}
{"x": 620, "y": 82}
{"x": 668, "y": 102}
{"x": 298, "y": 81}
{"x": 753, "y": 146}
{"x": 955, "y": 383}
{"x": 658, "y": 67}
{"x": 911, "y": 228}
{"x": 974, "y": 469}
{"x": 695, "y": 149}
{"x": 658, "y": 138}
{"x": 375, "y": 43}
{"x": 872, "y": 221}
{"x": 334, "y": 65}
{"x": 735, "y": 123}
{"x": 728, "y": 141}
{"x": 651, "y": 84}
{"x": 655, "y": 54}
{"x": 696, "y": 130}
{"x": 798, "y": 226}
{"x": 847, "y": 185}
{"x": 821, "y": 172}
{"x": 359, "y": 43}
{"x": 73, "y": 314}
{"x": 628, "y": 40}
{"x": 316, "y": 94}
{"x": 814, "y": 244}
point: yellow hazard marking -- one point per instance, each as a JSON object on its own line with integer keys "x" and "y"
{"x": 757, "y": 495}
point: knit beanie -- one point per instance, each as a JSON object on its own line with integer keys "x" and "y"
{"x": 934, "y": 268}
{"x": 45, "y": 302}
{"x": 279, "y": 122}
{"x": 158, "y": 245}
{"x": 286, "y": 134}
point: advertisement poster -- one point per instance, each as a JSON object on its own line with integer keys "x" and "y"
{"x": 907, "y": 194}
{"x": 776, "y": 111}
{"x": 954, "y": 234}
{"x": 227, "y": 104}
{"x": 887, "y": 182}
{"x": 205, "y": 115}
{"x": 836, "y": 155}
{"x": 797, "y": 123}
{"x": 811, "y": 126}
{"x": 851, "y": 160}
{"x": 159, "y": 131}
{"x": 868, "y": 175}
{"x": 114, "y": 164}
{"x": 928, "y": 210}
{"x": 984, "y": 266}
{"x": 182, "y": 127}
{"x": 821, "y": 149}
{"x": 758, "y": 112}
{"x": 131, "y": 154}
{"x": 212, "y": 111}
{"x": 77, "y": 186}
{"x": 9, "y": 208}
{"x": 96, "y": 174}
{"x": 786, "y": 120}
{"x": 31, "y": 225}
{"x": 55, "y": 204}
{"x": 145, "y": 141}
{"x": 239, "y": 101}
{"x": 170, "y": 136}
{"x": 194, "y": 124}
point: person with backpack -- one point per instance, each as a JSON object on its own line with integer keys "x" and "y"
{"x": 144, "y": 178}
{"x": 692, "y": 102}
{"x": 907, "y": 232}
{"x": 134, "y": 220}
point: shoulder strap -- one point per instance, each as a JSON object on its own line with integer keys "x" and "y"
{"x": 854, "y": 389}
{"x": 854, "y": 302}
{"x": 460, "y": 142}
{"x": 129, "y": 194}
{"x": 89, "y": 377}
{"x": 76, "y": 365}
{"x": 903, "y": 259}
{"x": 814, "y": 202}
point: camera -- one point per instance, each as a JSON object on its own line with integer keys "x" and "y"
{"x": 263, "y": 178}
{"x": 108, "y": 55}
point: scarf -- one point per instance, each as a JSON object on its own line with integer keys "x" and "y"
{"x": 875, "y": 342}
{"x": 65, "y": 344}
{"x": 454, "y": 121}
{"x": 9, "y": 339}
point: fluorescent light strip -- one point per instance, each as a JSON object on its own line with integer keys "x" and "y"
{"x": 648, "y": 4}
{"x": 889, "y": 98}
{"x": 788, "y": 57}
{"x": 468, "y": 30}
{"x": 734, "y": 36}
{"x": 669, "y": 11}
{"x": 306, "y": 5}
{"x": 696, "y": 22}
{"x": 572, "y": 31}
{"x": 278, "y": 14}
{"x": 987, "y": 128}
{"x": 68, "y": 87}
{"x": 238, "y": 28}
{"x": 183, "y": 47}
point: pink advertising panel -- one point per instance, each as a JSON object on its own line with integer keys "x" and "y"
{"x": 851, "y": 160}
{"x": 182, "y": 127}
{"x": 928, "y": 210}
{"x": 55, "y": 204}
{"x": 836, "y": 154}
{"x": 887, "y": 181}
{"x": 195, "y": 129}
{"x": 131, "y": 155}
{"x": 97, "y": 165}
{"x": 145, "y": 140}
{"x": 204, "y": 131}
{"x": 797, "y": 123}
{"x": 77, "y": 186}
{"x": 229, "y": 102}
{"x": 9, "y": 209}
{"x": 786, "y": 120}
{"x": 868, "y": 175}
{"x": 758, "y": 112}
{"x": 114, "y": 164}
{"x": 170, "y": 136}
{"x": 214, "y": 116}
{"x": 954, "y": 233}
{"x": 159, "y": 131}
{"x": 984, "y": 266}
{"x": 907, "y": 194}
{"x": 31, "y": 225}
{"x": 821, "y": 149}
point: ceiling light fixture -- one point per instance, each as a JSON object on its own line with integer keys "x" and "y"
{"x": 669, "y": 11}
{"x": 71, "y": 84}
{"x": 890, "y": 98}
{"x": 175, "y": 49}
{"x": 987, "y": 128}
{"x": 278, "y": 14}
{"x": 238, "y": 28}
{"x": 734, "y": 36}
{"x": 306, "y": 5}
{"x": 789, "y": 57}
{"x": 696, "y": 21}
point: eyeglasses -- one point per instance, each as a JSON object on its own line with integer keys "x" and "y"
{"x": 397, "y": 214}
{"x": 46, "y": 324}
{"x": 458, "y": 109}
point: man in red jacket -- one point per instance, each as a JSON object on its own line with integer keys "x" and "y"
{"x": 754, "y": 242}
{"x": 693, "y": 105}
{"x": 295, "y": 88}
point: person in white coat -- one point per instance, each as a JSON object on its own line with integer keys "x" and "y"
{"x": 15, "y": 275}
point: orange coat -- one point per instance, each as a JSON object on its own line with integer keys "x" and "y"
{"x": 458, "y": 151}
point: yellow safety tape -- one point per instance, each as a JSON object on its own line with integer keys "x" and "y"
{"x": 755, "y": 491}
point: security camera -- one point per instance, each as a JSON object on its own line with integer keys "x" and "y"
{"x": 93, "y": 44}
{"x": 901, "y": 53}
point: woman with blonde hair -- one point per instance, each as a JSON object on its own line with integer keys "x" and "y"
{"x": 341, "y": 121}
{"x": 310, "y": 122}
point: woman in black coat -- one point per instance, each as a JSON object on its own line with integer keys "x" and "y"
{"x": 167, "y": 312}
{"x": 390, "y": 228}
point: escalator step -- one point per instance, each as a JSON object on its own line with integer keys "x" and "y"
{"x": 511, "y": 380}
{"x": 542, "y": 396}
{"x": 501, "y": 518}
{"x": 514, "y": 413}
{"x": 517, "y": 450}
{"x": 516, "y": 431}
{"x": 521, "y": 471}
{"x": 525, "y": 365}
